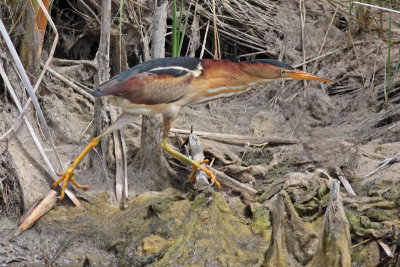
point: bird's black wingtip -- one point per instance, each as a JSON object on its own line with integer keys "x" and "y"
{"x": 97, "y": 93}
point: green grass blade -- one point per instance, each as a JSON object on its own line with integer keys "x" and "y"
{"x": 184, "y": 30}
{"x": 388, "y": 59}
{"x": 174, "y": 34}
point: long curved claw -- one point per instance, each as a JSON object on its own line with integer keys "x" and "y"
{"x": 192, "y": 176}
{"x": 195, "y": 165}
{"x": 198, "y": 166}
{"x": 68, "y": 175}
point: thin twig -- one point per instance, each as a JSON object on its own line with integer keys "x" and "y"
{"x": 356, "y": 54}
{"x": 39, "y": 80}
{"x": 34, "y": 137}
{"x": 254, "y": 53}
{"x": 204, "y": 40}
{"x": 377, "y": 7}
{"x": 86, "y": 129}
{"x": 317, "y": 58}
{"x": 31, "y": 91}
{"x": 216, "y": 41}
{"x": 70, "y": 84}
{"x": 238, "y": 139}
{"x": 16, "y": 123}
{"x": 374, "y": 71}
{"x": 384, "y": 163}
{"x": 326, "y": 35}
{"x": 227, "y": 181}
{"x": 362, "y": 242}
{"x": 302, "y": 23}
{"x": 91, "y": 11}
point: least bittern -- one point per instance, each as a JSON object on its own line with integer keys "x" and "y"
{"x": 164, "y": 86}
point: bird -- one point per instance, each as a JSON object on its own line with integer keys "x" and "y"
{"x": 166, "y": 85}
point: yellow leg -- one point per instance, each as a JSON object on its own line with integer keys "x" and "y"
{"x": 192, "y": 175}
{"x": 195, "y": 165}
{"x": 122, "y": 121}
{"x": 69, "y": 173}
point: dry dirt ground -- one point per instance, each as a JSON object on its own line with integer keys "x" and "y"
{"x": 345, "y": 125}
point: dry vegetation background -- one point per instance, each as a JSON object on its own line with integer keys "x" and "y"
{"x": 346, "y": 130}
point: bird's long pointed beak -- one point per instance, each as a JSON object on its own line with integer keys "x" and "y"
{"x": 301, "y": 75}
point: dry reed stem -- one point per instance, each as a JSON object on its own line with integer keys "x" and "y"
{"x": 204, "y": 40}
{"x": 303, "y": 22}
{"x": 38, "y": 211}
{"x": 67, "y": 81}
{"x": 216, "y": 41}
{"x": 34, "y": 136}
{"x": 324, "y": 40}
{"x": 238, "y": 139}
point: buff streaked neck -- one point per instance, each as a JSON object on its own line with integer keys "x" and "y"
{"x": 221, "y": 79}
{"x": 226, "y": 73}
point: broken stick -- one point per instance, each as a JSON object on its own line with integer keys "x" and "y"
{"x": 234, "y": 139}
{"x": 196, "y": 152}
{"x": 38, "y": 211}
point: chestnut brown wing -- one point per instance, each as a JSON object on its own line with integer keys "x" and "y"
{"x": 147, "y": 88}
{"x": 153, "y": 82}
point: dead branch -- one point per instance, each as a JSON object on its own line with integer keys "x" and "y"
{"x": 359, "y": 150}
{"x": 334, "y": 243}
{"x": 385, "y": 162}
{"x": 292, "y": 242}
{"x": 121, "y": 173}
{"x": 239, "y": 139}
{"x": 102, "y": 59}
{"x": 344, "y": 181}
{"x": 76, "y": 88}
{"x": 229, "y": 182}
{"x": 42, "y": 208}
{"x": 196, "y": 152}
{"x": 35, "y": 138}
{"x": 71, "y": 62}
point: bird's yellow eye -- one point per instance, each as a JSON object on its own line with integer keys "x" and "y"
{"x": 282, "y": 72}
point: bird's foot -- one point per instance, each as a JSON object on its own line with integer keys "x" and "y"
{"x": 197, "y": 166}
{"x": 68, "y": 175}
